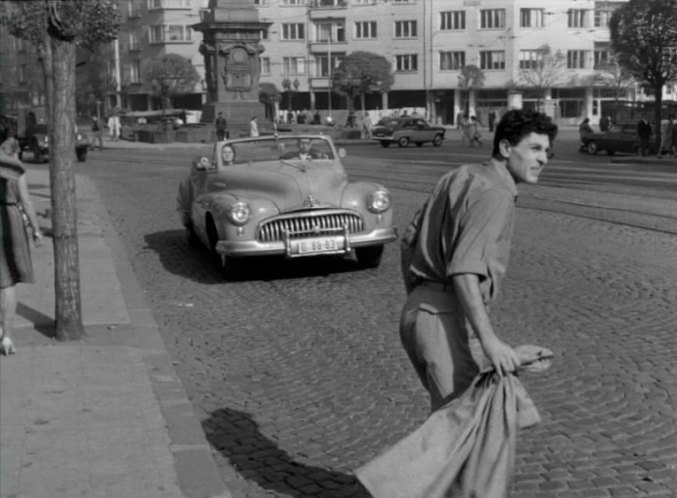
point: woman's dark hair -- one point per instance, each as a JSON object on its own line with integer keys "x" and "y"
{"x": 517, "y": 124}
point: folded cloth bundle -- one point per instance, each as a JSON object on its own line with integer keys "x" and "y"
{"x": 466, "y": 448}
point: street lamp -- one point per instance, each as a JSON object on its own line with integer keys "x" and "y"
{"x": 329, "y": 75}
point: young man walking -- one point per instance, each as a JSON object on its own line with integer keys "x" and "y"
{"x": 461, "y": 255}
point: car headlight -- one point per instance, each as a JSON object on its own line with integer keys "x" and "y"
{"x": 379, "y": 201}
{"x": 239, "y": 213}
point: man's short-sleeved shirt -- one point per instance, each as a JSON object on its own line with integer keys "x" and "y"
{"x": 467, "y": 227}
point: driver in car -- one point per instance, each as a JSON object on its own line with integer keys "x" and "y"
{"x": 305, "y": 151}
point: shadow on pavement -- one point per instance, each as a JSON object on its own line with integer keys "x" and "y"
{"x": 196, "y": 263}
{"x": 237, "y": 438}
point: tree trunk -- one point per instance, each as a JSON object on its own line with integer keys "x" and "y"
{"x": 68, "y": 312}
{"x": 658, "y": 99}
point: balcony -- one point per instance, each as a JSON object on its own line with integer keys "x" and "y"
{"x": 326, "y": 9}
{"x": 320, "y": 47}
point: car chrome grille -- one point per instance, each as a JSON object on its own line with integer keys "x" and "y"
{"x": 305, "y": 225}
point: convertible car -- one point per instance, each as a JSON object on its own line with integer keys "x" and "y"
{"x": 406, "y": 130}
{"x": 285, "y": 196}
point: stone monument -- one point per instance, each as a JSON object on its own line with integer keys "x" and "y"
{"x": 231, "y": 45}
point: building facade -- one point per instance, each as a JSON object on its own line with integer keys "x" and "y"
{"x": 428, "y": 42}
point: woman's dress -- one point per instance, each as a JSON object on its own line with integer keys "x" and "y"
{"x": 15, "y": 257}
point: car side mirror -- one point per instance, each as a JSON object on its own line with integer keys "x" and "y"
{"x": 342, "y": 153}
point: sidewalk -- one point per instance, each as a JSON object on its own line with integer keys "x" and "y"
{"x": 103, "y": 417}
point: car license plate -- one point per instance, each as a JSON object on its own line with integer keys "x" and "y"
{"x": 318, "y": 245}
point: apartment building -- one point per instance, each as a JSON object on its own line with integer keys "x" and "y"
{"x": 428, "y": 43}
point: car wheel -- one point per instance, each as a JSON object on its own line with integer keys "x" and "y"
{"x": 369, "y": 257}
{"x": 230, "y": 269}
{"x": 403, "y": 142}
{"x": 82, "y": 155}
{"x": 610, "y": 152}
{"x": 385, "y": 145}
{"x": 437, "y": 141}
{"x": 592, "y": 147}
{"x": 419, "y": 144}
{"x": 37, "y": 153}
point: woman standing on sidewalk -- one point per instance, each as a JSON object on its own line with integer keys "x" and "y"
{"x": 16, "y": 212}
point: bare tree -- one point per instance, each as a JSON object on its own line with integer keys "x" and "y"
{"x": 55, "y": 27}
{"x": 612, "y": 75}
{"x": 545, "y": 71}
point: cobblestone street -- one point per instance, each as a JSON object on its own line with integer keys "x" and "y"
{"x": 299, "y": 376}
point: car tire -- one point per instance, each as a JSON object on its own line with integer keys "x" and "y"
{"x": 592, "y": 147}
{"x": 369, "y": 257}
{"x": 229, "y": 270}
{"x": 81, "y": 155}
{"x": 385, "y": 145}
{"x": 37, "y": 153}
{"x": 437, "y": 141}
{"x": 403, "y": 141}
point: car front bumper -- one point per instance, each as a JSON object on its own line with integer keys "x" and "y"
{"x": 246, "y": 248}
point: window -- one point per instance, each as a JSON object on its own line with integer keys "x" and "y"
{"x": 133, "y": 42}
{"x": 576, "y": 59}
{"x": 602, "y": 55}
{"x": 531, "y": 18}
{"x": 405, "y": 29}
{"x": 494, "y": 59}
{"x": 365, "y": 29}
{"x": 363, "y": 2}
{"x": 132, "y": 9}
{"x": 406, "y": 63}
{"x": 529, "y": 58}
{"x": 452, "y": 61}
{"x": 164, "y": 33}
{"x": 293, "y": 2}
{"x": 134, "y": 71}
{"x": 293, "y": 65}
{"x": 492, "y": 18}
{"x": 453, "y": 19}
{"x": 263, "y": 34}
{"x": 576, "y": 18}
{"x": 322, "y": 65}
{"x": 326, "y": 32}
{"x": 169, "y": 4}
{"x": 264, "y": 65}
{"x": 295, "y": 31}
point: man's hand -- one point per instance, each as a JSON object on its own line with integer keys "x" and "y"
{"x": 502, "y": 357}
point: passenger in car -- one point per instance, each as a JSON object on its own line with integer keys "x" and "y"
{"x": 227, "y": 155}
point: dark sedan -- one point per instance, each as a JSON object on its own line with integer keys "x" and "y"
{"x": 619, "y": 138}
{"x": 406, "y": 130}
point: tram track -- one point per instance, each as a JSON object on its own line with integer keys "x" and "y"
{"x": 652, "y": 222}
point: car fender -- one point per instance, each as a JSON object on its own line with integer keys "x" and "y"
{"x": 356, "y": 196}
{"x": 217, "y": 207}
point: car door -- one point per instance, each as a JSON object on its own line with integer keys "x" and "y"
{"x": 422, "y": 131}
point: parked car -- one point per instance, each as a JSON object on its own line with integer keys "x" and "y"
{"x": 33, "y": 137}
{"x": 618, "y": 138}
{"x": 269, "y": 201}
{"x": 407, "y": 129}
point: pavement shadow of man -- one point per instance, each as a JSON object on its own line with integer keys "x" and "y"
{"x": 238, "y": 438}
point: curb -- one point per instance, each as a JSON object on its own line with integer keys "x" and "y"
{"x": 197, "y": 473}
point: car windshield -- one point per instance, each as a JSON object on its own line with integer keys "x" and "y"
{"x": 281, "y": 148}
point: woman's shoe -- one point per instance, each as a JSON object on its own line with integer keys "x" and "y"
{"x": 7, "y": 346}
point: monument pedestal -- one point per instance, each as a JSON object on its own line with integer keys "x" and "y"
{"x": 231, "y": 47}
{"x": 237, "y": 114}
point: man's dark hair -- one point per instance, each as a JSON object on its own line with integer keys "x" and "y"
{"x": 517, "y": 124}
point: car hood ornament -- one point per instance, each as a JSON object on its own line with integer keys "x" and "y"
{"x": 310, "y": 202}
